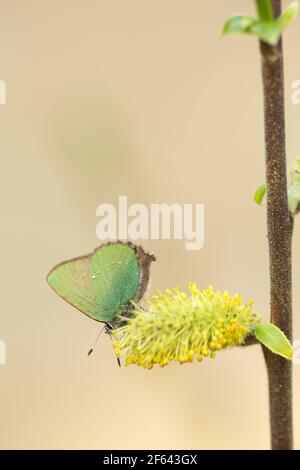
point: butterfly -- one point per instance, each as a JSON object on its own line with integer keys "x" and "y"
{"x": 104, "y": 284}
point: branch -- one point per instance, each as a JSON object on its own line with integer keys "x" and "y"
{"x": 279, "y": 225}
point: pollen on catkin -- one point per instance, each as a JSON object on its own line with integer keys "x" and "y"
{"x": 175, "y": 326}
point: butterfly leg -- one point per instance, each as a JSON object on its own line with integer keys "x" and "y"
{"x": 108, "y": 329}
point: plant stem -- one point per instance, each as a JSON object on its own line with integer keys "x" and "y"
{"x": 280, "y": 229}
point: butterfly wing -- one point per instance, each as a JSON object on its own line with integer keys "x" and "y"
{"x": 144, "y": 259}
{"x": 102, "y": 283}
{"x": 71, "y": 281}
{"x": 113, "y": 269}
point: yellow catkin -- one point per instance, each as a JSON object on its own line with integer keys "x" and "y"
{"x": 174, "y": 326}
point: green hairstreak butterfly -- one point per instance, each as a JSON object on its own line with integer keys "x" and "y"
{"x": 103, "y": 284}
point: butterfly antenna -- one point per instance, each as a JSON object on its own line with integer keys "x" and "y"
{"x": 96, "y": 340}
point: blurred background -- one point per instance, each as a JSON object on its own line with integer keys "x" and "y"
{"x": 140, "y": 98}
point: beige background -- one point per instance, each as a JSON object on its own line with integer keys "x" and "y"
{"x": 135, "y": 97}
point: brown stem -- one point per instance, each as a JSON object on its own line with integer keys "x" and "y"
{"x": 279, "y": 225}
{"x": 250, "y": 341}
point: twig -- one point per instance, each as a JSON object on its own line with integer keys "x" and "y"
{"x": 279, "y": 225}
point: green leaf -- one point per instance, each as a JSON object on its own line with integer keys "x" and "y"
{"x": 238, "y": 24}
{"x": 260, "y": 194}
{"x": 288, "y": 15}
{"x": 267, "y": 31}
{"x": 270, "y": 31}
{"x": 266, "y": 28}
{"x": 274, "y": 339}
{"x": 265, "y": 10}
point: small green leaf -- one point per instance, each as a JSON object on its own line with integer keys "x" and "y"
{"x": 265, "y": 10}
{"x": 270, "y": 31}
{"x": 274, "y": 339}
{"x": 260, "y": 194}
{"x": 238, "y": 24}
{"x": 288, "y": 15}
{"x": 267, "y": 31}
{"x": 266, "y": 28}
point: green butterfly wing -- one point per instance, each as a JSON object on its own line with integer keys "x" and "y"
{"x": 102, "y": 284}
{"x": 114, "y": 271}
{"x": 71, "y": 281}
